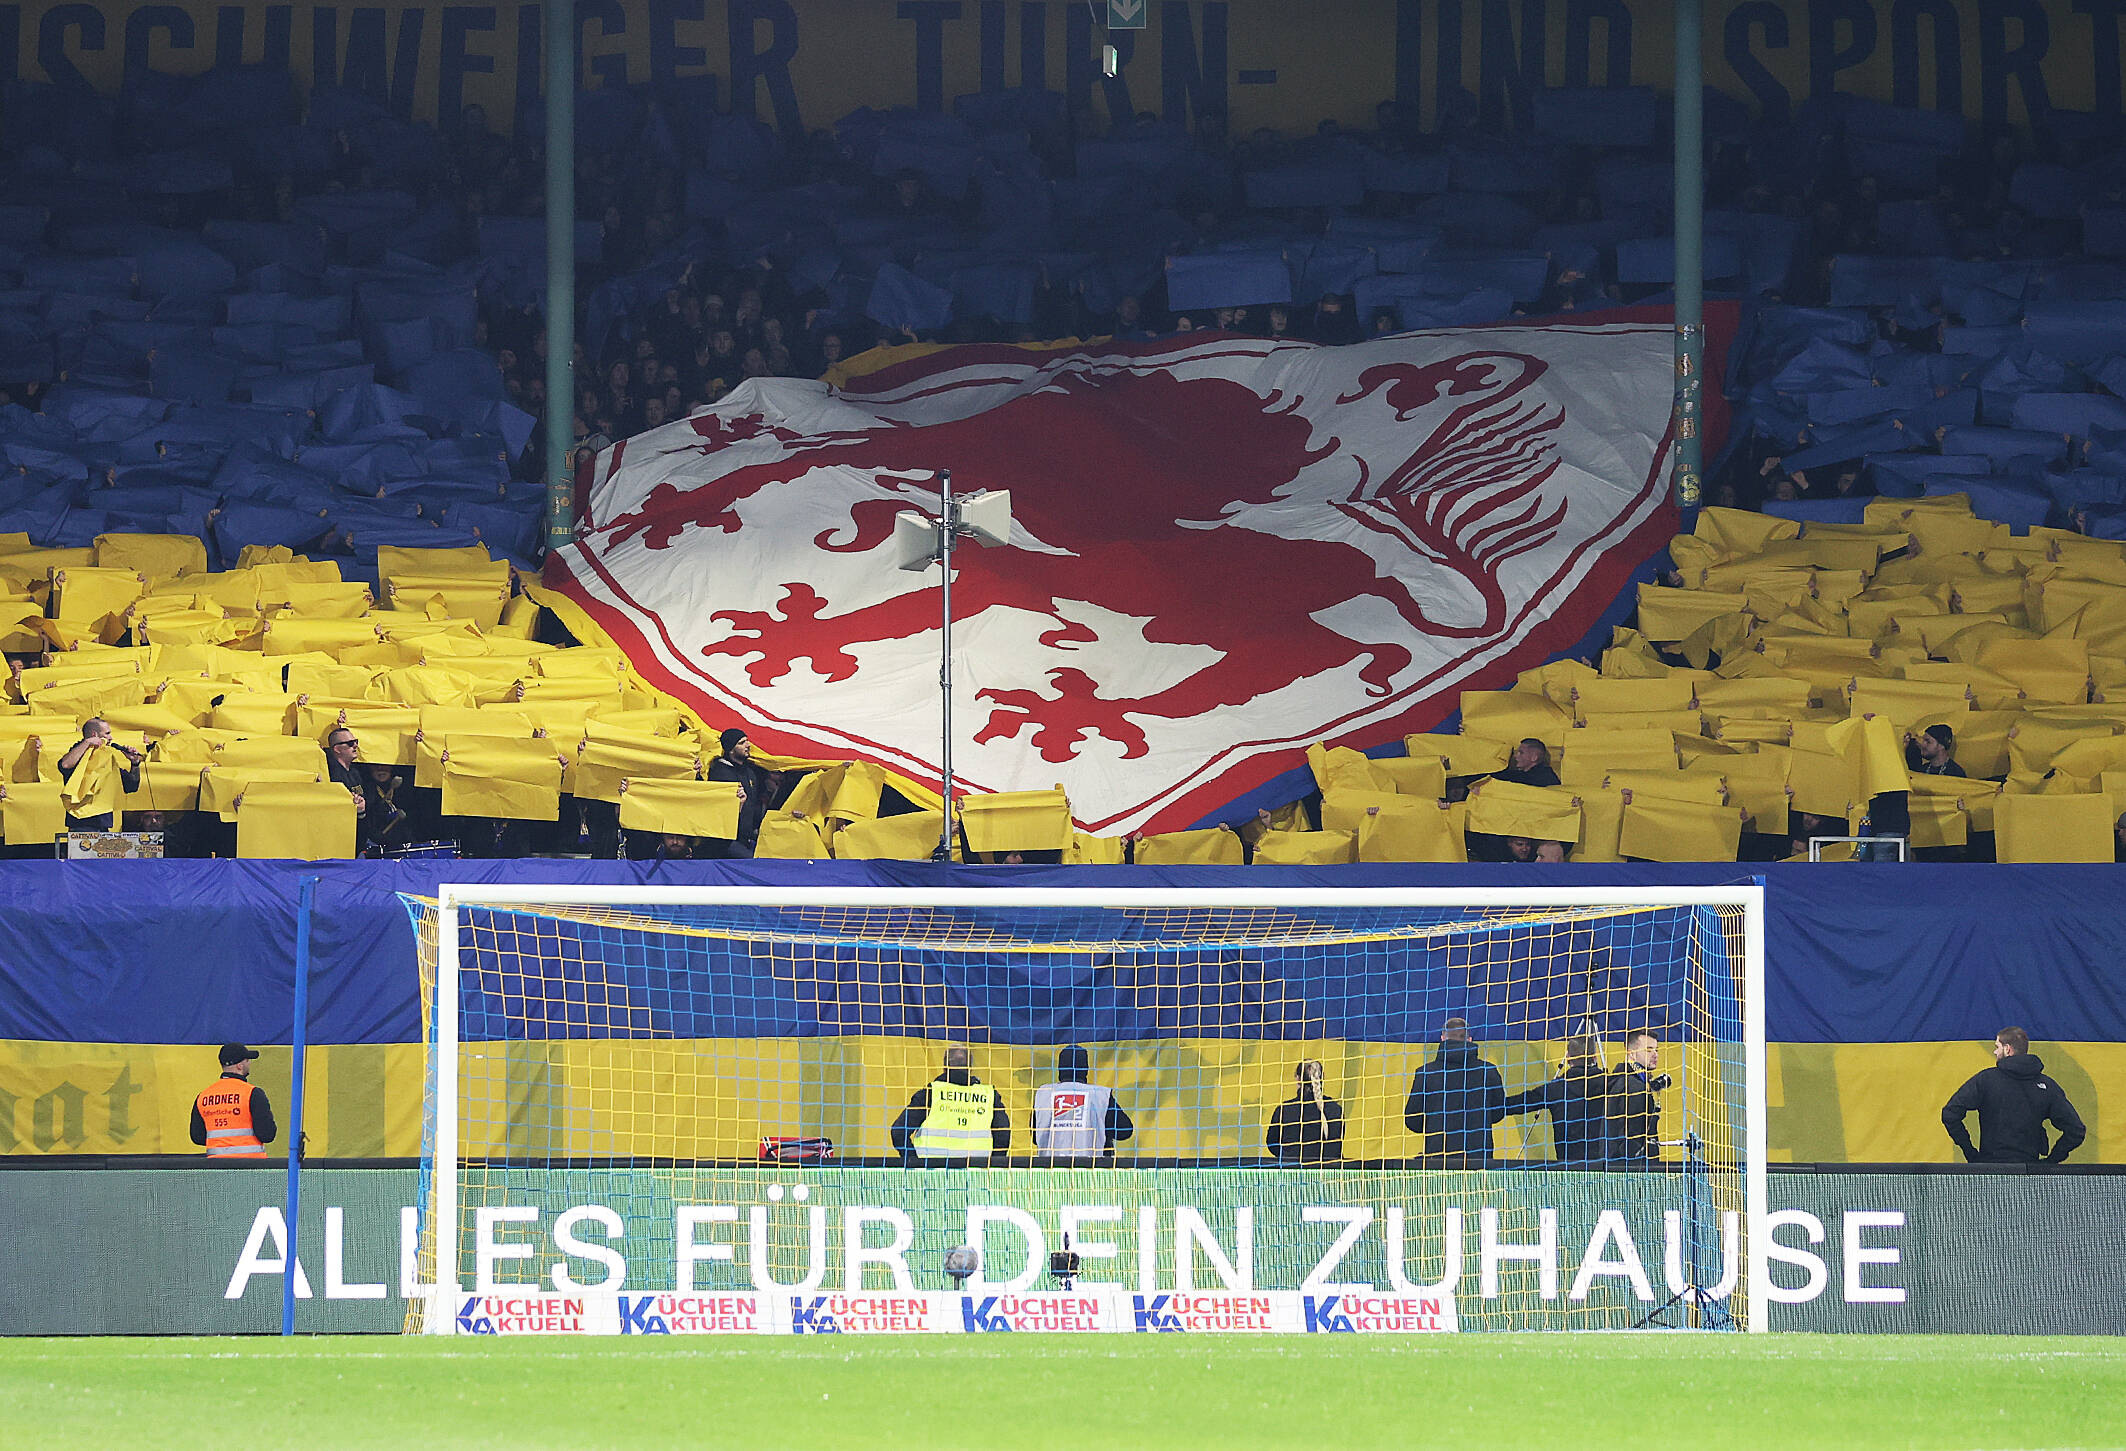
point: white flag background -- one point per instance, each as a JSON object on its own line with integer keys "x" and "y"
{"x": 1222, "y": 550}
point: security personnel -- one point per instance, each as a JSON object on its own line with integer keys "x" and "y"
{"x": 231, "y": 1115}
{"x": 955, "y": 1121}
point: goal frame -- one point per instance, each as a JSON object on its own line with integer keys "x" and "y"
{"x": 452, "y": 897}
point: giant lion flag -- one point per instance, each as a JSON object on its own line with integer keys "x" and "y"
{"x": 1222, "y": 549}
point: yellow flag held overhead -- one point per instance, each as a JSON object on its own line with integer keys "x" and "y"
{"x": 1658, "y": 830}
{"x": 1872, "y": 747}
{"x": 608, "y": 758}
{"x": 783, "y": 837}
{"x": 1423, "y": 776}
{"x": 682, "y": 808}
{"x": 2054, "y": 828}
{"x": 1414, "y": 831}
{"x": 295, "y": 821}
{"x": 1007, "y": 821}
{"x": 95, "y": 787}
{"x": 502, "y": 777}
{"x": 1099, "y": 851}
{"x": 911, "y": 837}
{"x": 1463, "y": 755}
{"x": 31, "y": 813}
{"x": 221, "y": 788}
{"x": 1540, "y": 813}
{"x": 1513, "y": 715}
{"x": 1215, "y": 847}
{"x": 285, "y": 753}
{"x": 1601, "y": 827}
{"x": 1306, "y": 848}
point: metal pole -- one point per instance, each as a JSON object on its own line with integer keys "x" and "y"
{"x": 1690, "y": 249}
{"x": 559, "y": 25}
{"x": 305, "y": 896}
{"x": 948, "y": 527}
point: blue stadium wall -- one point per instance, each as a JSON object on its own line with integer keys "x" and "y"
{"x": 1885, "y": 985}
{"x": 801, "y": 64}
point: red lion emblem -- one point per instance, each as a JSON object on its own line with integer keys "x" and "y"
{"x": 1197, "y": 532}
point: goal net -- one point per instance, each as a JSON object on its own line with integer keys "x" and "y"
{"x": 746, "y": 1109}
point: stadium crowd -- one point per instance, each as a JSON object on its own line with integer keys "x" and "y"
{"x": 282, "y": 401}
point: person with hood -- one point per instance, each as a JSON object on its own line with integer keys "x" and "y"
{"x": 1077, "y": 1121}
{"x": 1576, "y": 1101}
{"x": 955, "y": 1121}
{"x": 1455, "y": 1099}
{"x": 1308, "y": 1127}
{"x": 2014, "y": 1100}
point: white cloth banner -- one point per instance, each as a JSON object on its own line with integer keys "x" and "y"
{"x": 1221, "y": 551}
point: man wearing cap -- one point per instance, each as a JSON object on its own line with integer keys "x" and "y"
{"x": 1077, "y": 1121}
{"x": 756, "y": 793}
{"x": 1933, "y": 752}
{"x": 231, "y": 1116}
{"x": 1455, "y": 1099}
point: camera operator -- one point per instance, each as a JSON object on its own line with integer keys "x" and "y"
{"x": 1634, "y": 1113}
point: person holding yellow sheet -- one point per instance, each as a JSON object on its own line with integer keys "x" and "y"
{"x": 1932, "y": 752}
{"x": 1530, "y": 765}
{"x": 342, "y": 751}
{"x": 756, "y": 793}
{"x": 94, "y": 773}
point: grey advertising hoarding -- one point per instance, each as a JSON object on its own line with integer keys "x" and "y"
{"x": 201, "y": 1251}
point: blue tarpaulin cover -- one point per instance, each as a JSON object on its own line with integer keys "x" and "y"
{"x": 1879, "y": 953}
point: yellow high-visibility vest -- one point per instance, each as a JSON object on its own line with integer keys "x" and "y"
{"x": 957, "y": 1126}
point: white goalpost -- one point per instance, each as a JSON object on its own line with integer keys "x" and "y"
{"x": 1388, "y": 1110}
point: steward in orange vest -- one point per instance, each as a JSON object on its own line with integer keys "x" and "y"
{"x": 231, "y": 1116}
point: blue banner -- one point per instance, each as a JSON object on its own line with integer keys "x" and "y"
{"x": 202, "y": 952}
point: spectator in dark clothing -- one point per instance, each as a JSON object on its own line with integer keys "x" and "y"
{"x": 1933, "y": 752}
{"x": 1633, "y": 1111}
{"x": 341, "y": 749}
{"x": 95, "y": 737}
{"x": 1455, "y": 1099}
{"x": 960, "y": 1104}
{"x": 1579, "y": 1125}
{"x": 1889, "y": 815}
{"x": 756, "y": 786}
{"x": 1530, "y": 765}
{"x": 386, "y": 820}
{"x": 1336, "y": 322}
{"x": 1308, "y": 1127}
{"x": 2015, "y": 1098}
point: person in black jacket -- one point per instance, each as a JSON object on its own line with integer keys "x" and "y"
{"x": 1455, "y": 1099}
{"x": 2014, "y": 1099}
{"x": 1308, "y": 1127}
{"x": 1576, "y": 1101}
{"x": 1530, "y": 765}
{"x": 1634, "y": 1113}
{"x": 757, "y": 785}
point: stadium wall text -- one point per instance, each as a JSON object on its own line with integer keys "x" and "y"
{"x": 204, "y": 1251}
{"x": 801, "y": 63}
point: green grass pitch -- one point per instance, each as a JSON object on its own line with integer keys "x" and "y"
{"x": 1078, "y": 1393}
